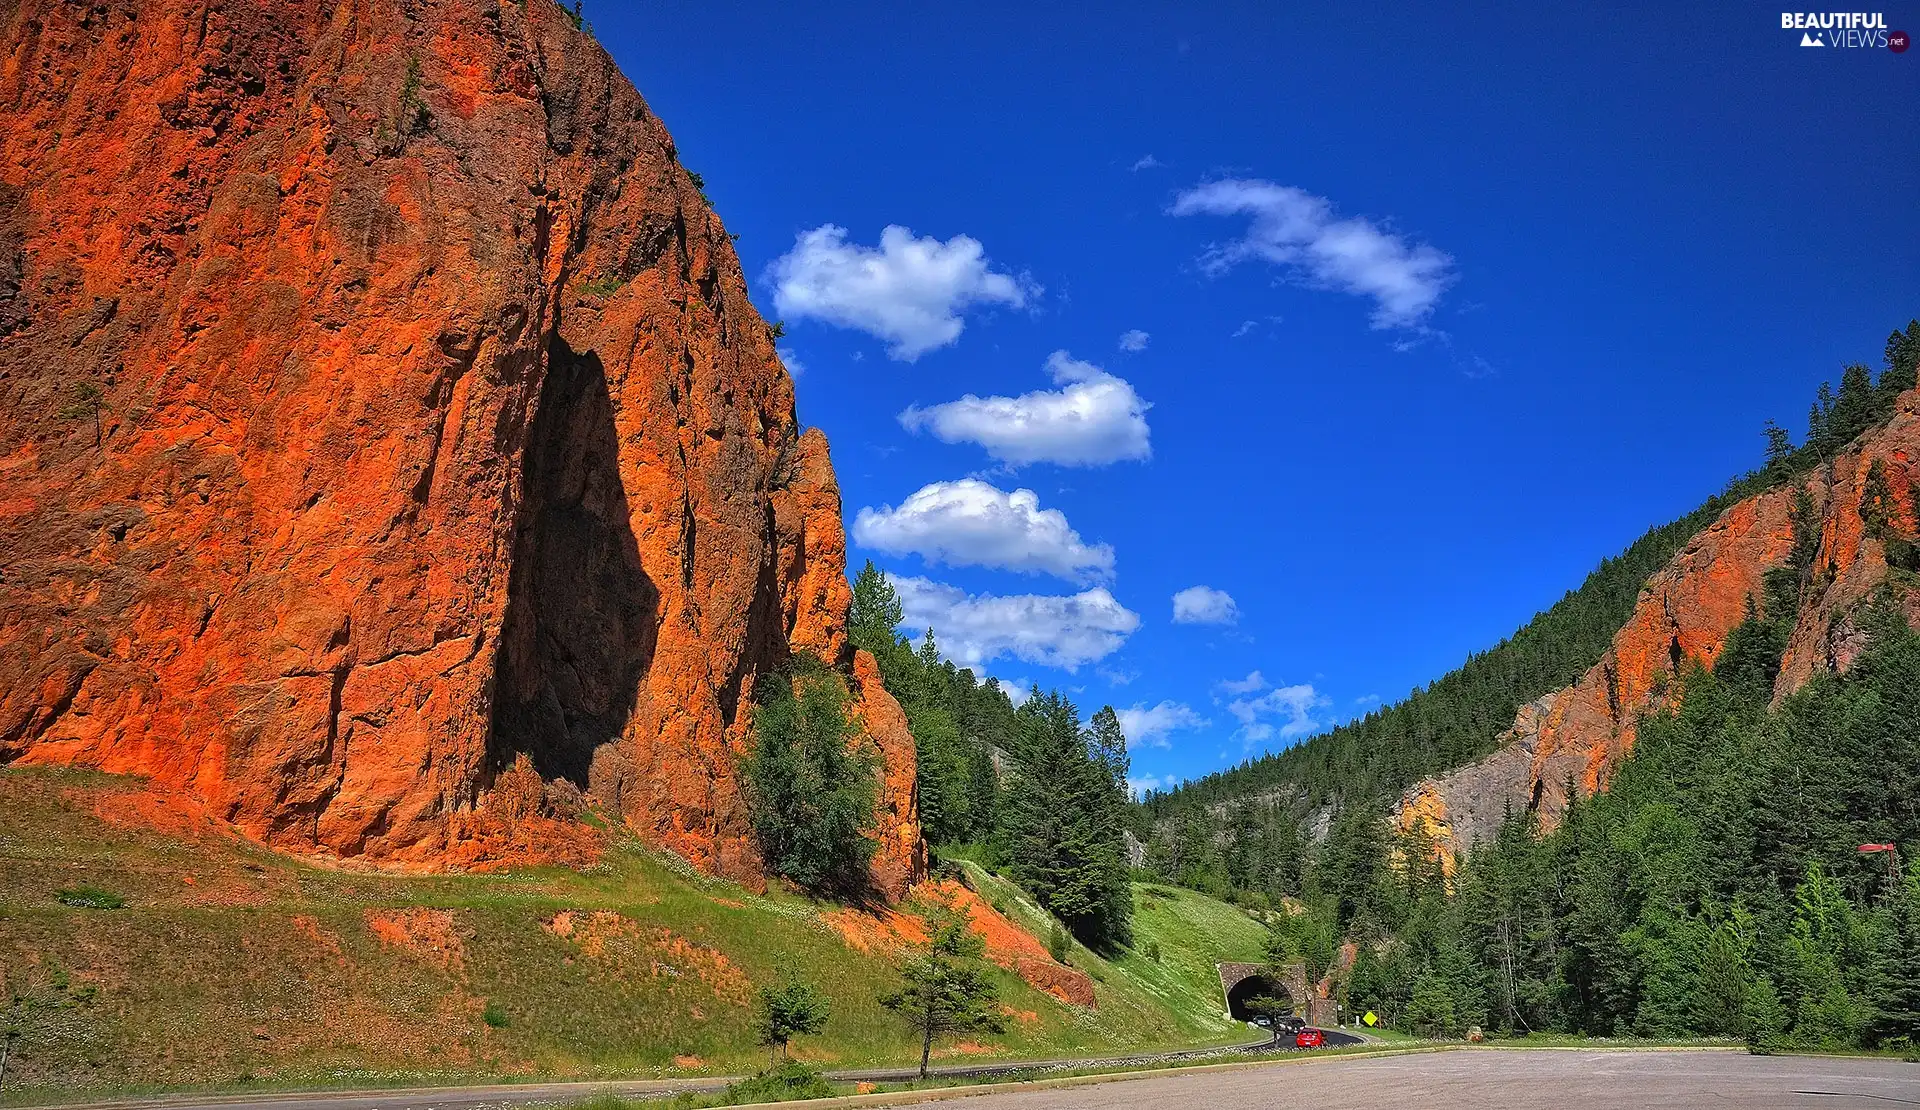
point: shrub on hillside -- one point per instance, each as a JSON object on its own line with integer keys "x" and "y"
{"x": 810, "y": 781}
{"x": 92, "y": 898}
{"x": 789, "y": 1081}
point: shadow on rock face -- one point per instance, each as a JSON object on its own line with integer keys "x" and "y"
{"x": 582, "y": 615}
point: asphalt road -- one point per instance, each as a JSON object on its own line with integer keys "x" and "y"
{"x": 1514, "y": 1079}
{"x": 520, "y": 1095}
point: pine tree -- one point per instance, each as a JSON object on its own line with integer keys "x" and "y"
{"x": 1779, "y": 451}
{"x": 1431, "y": 1012}
{"x": 1110, "y": 874}
{"x": 1856, "y": 408}
{"x": 1765, "y": 1018}
{"x": 874, "y": 614}
{"x": 1903, "y": 357}
{"x": 1826, "y": 942}
{"x": 1062, "y": 819}
{"x": 1366, "y": 983}
{"x": 1820, "y": 424}
{"x": 810, "y": 781}
{"x": 946, "y": 989}
{"x": 1724, "y": 975}
{"x": 942, "y": 770}
{"x": 1897, "y": 981}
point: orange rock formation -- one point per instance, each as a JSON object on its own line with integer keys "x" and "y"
{"x": 380, "y": 400}
{"x": 1687, "y": 610}
{"x": 902, "y": 856}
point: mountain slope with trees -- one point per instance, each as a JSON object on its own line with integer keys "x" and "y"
{"x": 1716, "y": 884}
{"x": 1034, "y": 791}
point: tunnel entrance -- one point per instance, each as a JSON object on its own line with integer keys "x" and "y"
{"x": 1252, "y": 988}
{"x": 582, "y": 615}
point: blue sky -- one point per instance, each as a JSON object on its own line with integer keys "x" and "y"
{"x": 1384, "y": 328}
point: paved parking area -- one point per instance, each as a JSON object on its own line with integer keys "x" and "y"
{"x": 1520, "y": 1079}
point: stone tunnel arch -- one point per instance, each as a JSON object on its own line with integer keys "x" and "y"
{"x": 1240, "y": 982}
{"x": 1254, "y": 986}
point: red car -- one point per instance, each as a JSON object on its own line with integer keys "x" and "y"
{"x": 1308, "y": 1038}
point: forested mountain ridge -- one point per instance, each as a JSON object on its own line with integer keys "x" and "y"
{"x": 1700, "y": 837}
{"x": 1247, "y": 827}
{"x": 1812, "y": 551}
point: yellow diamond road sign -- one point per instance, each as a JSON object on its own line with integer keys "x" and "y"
{"x": 1370, "y": 1018}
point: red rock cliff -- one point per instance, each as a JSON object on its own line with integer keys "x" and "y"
{"x": 1686, "y": 611}
{"x": 380, "y": 401}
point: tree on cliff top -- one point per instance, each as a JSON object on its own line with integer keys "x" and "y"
{"x": 810, "y": 781}
{"x": 874, "y": 615}
{"x": 1903, "y": 358}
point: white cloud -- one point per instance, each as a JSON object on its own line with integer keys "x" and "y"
{"x": 909, "y": 292}
{"x": 1204, "y": 605}
{"x": 1145, "y": 783}
{"x": 791, "y": 359}
{"x": 971, "y": 523}
{"x": 1135, "y": 340}
{"x": 1147, "y": 162}
{"x": 1018, "y": 690}
{"x": 1116, "y": 677}
{"x": 1293, "y": 706}
{"x": 1245, "y": 327}
{"x": 1047, "y": 631}
{"x": 1093, "y": 420}
{"x": 1298, "y": 230}
{"x": 1236, "y": 686}
{"x": 1150, "y": 725}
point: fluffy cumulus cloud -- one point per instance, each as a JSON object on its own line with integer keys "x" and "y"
{"x": 975, "y": 629}
{"x": 1299, "y": 231}
{"x": 908, "y": 291}
{"x": 791, "y": 359}
{"x": 1093, "y": 419}
{"x": 971, "y": 523}
{"x": 1151, "y": 724}
{"x": 1135, "y": 340}
{"x": 1284, "y": 711}
{"x": 1204, "y": 605}
{"x": 1237, "y": 686}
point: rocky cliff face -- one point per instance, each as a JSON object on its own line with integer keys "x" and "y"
{"x": 1578, "y": 734}
{"x": 380, "y": 402}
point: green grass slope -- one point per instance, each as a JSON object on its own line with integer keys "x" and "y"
{"x": 228, "y": 966}
{"x": 1191, "y": 932}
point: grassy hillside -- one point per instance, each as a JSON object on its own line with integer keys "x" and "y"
{"x": 145, "y": 948}
{"x": 1190, "y": 931}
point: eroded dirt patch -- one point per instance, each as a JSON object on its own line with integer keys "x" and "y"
{"x": 431, "y": 934}
{"x": 657, "y": 951}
